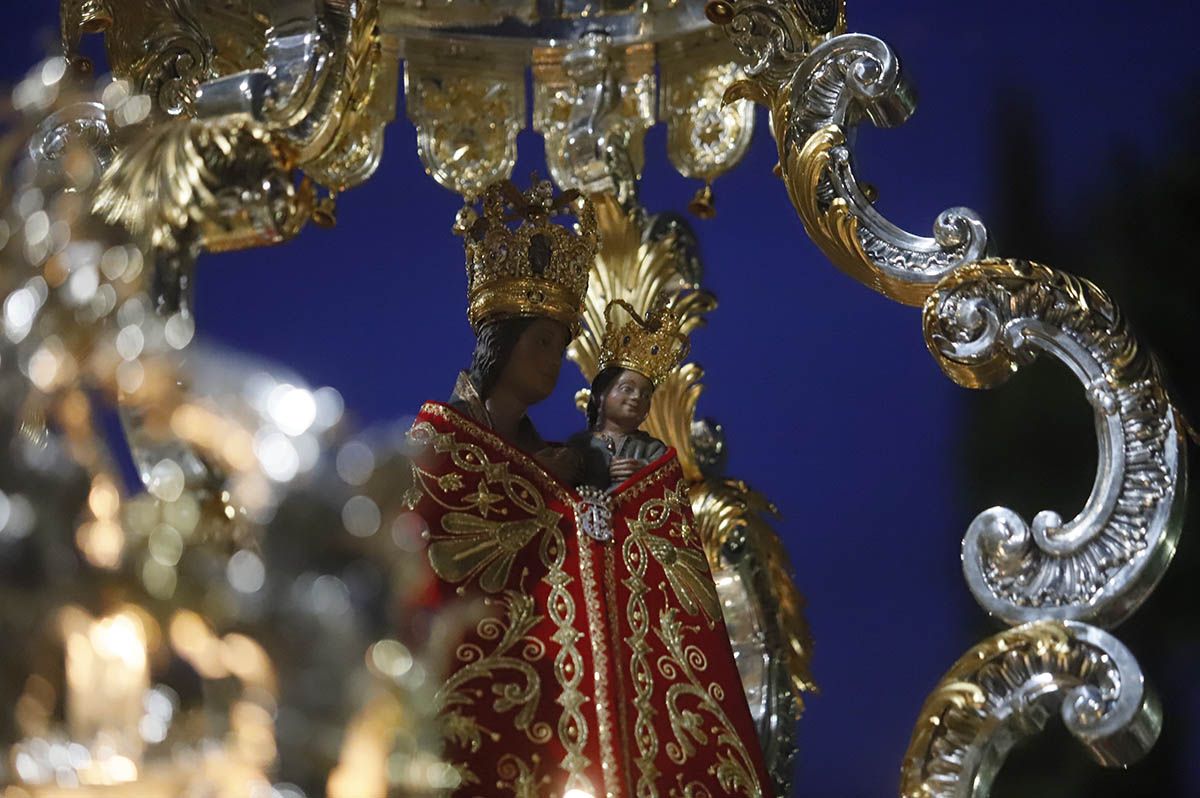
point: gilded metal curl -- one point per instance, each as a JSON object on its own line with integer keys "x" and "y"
{"x": 1007, "y": 687}
{"x": 218, "y": 184}
{"x": 815, "y": 103}
{"x": 167, "y": 48}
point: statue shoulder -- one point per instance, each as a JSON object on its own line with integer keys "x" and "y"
{"x": 651, "y": 447}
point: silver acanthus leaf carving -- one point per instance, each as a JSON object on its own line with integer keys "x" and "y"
{"x": 1007, "y": 687}
{"x": 846, "y": 80}
{"x": 984, "y": 322}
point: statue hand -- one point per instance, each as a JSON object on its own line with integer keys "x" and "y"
{"x": 560, "y": 461}
{"x": 622, "y": 468}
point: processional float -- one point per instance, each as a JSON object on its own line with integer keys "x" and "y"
{"x": 253, "y": 620}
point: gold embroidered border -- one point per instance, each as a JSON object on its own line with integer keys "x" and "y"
{"x": 469, "y": 545}
{"x": 460, "y": 421}
{"x": 635, "y": 555}
{"x": 568, "y": 664}
{"x": 595, "y": 615}
{"x": 610, "y": 591}
{"x": 672, "y": 468}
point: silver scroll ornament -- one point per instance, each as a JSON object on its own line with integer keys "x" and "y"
{"x": 983, "y": 323}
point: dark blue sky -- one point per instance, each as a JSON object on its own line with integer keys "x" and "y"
{"x": 831, "y": 404}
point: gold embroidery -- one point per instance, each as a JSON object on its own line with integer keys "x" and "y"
{"x": 483, "y": 547}
{"x": 519, "y": 778}
{"x": 448, "y": 482}
{"x": 665, "y": 472}
{"x": 472, "y": 544}
{"x": 687, "y": 574}
{"x": 521, "y": 694}
{"x": 610, "y": 590}
{"x": 456, "y": 419}
{"x": 686, "y": 568}
{"x": 600, "y": 662}
{"x": 634, "y": 552}
{"x": 487, "y": 547}
{"x": 483, "y": 499}
{"x": 734, "y": 767}
{"x": 568, "y": 664}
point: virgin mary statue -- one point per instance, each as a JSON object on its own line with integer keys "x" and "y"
{"x": 601, "y": 666}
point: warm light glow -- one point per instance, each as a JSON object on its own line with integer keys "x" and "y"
{"x": 101, "y": 542}
{"x": 195, "y": 642}
{"x": 104, "y": 500}
{"x": 213, "y": 433}
{"x": 577, "y": 794}
{"x": 108, "y": 676}
{"x": 248, "y": 661}
{"x": 362, "y": 768}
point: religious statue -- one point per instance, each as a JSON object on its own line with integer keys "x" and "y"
{"x": 601, "y": 665}
{"x": 634, "y": 359}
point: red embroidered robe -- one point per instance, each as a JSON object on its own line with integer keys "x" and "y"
{"x": 602, "y": 668}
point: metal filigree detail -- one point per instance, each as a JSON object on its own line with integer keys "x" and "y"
{"x": 774, "y": 37}
{"x": 218, "y": 184}
{"x": 843, "y": 81}
{"x": 706, "y": 136}
{"x": 763, "y": 611}
{"x": 467, "y": 121}
{"x": 1007, "y": 687}
{"x": 983, "y": 323}
{"x": 593, "y": 104}
{"x": 167, "y": 48}
{"x": 326, "y": 86}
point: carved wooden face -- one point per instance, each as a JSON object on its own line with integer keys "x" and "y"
{"x": 627, "y": 401}
{"x": 532, "y": 370}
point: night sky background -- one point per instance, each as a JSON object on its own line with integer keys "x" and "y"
{"x": 1070, "y": 126}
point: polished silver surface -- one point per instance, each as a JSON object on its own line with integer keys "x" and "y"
{"x": 846, "y": 80}
{"x": 525, "y": 25}
{"x": 595, "y": 146}
{"x": 84, "y": 124}
{"x": 759, "y": 650}
{"x": 1100, "y": 565}
{"x": 593, "y": 512}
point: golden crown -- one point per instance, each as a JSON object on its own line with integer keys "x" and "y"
{"x": 535, "y": 268}
{"x": 652, "y": 346}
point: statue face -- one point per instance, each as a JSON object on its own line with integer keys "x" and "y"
{"x": 532, "y": 370}
{"x": 627, "y": 401}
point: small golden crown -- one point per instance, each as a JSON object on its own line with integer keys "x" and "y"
{"x": 652, "y": 346}
{"x": 538, "y": 267}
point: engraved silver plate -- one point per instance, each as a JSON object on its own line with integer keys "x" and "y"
{"x": 593, "y": 512}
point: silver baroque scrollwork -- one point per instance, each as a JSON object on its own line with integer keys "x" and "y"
{"x": 1008, "y": 686}
{"x": 845, "y": 80}
{"x": 593, "y": 103}
{"x": 774, "y": 37}
{"x": 981, "y": 324}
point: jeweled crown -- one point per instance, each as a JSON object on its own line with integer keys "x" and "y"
{"x": 652, "y": 346}
{"x": 536, "y": 267}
